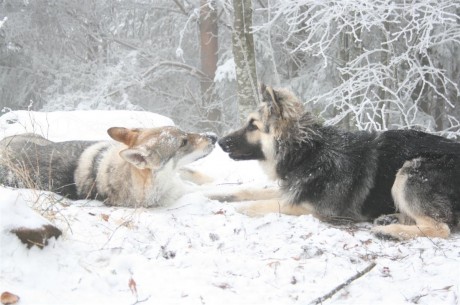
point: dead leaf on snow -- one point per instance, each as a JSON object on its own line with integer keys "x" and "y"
{"x": 133, "y": 286}
{"x": 9, "y": 298}
{"x": 219, "y": 212}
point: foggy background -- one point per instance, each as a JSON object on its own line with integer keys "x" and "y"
{"x": 367, "y": 65}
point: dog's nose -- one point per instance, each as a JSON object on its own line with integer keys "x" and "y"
{"x": 224, "y": 143}
{"x": 212, "y": 136}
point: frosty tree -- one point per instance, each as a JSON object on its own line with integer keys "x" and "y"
{"x": 208, "y": 26}
{"x": 244, "y": 56}
{"x": 133, "y": 54}
{"x": 361, "y": 64}
{"x": 392, "y": 64}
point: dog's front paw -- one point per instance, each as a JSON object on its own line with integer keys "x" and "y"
{"x": 385, "y": 233}
{"x": 384, "y": 236}
{"x": 385, "y": 220}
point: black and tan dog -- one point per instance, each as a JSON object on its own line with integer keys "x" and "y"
{"x": 358, "y": 176}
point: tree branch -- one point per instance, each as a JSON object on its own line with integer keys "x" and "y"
{"x": 181, "y": 7}
{"x": 191, "y": 70}
{"x": 343, "y": 285}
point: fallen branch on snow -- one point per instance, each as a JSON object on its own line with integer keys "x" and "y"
{"x": 343, "y": 285}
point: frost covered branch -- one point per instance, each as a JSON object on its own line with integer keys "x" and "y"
{"x": 394, "y": 62}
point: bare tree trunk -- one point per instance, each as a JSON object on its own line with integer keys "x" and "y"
{"x": 244, "y": 55}
{"x": 209, "y": 57}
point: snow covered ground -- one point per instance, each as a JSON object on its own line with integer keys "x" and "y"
{"x": 200, "y": 251}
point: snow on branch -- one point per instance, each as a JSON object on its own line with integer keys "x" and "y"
{"x": 395, "y": 60}
{"x": 2, "y": 22}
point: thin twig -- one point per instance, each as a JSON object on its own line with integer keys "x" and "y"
{"x": 141, "y": 301}
{"x": 343, "y": 285}
{"x": 181, "y": 7}
{"x": 190, "y": 69}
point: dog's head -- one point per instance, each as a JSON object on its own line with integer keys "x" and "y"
{"x": 153, "y": 148}
{"x": 254, "y": 141}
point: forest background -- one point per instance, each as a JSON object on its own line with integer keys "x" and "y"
{"x": 359, "y": 64}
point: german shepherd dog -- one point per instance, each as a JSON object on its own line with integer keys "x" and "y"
{"x": 358, "y": 176}
{"x": 140, "y": 169}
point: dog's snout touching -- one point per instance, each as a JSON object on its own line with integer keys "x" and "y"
{"x": 225, "y": 144}
{"x": 221, "y": 142}
{"x": 212, "y": 137}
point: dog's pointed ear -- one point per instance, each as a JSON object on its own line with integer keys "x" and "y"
{"x": 282, "y": 103}
{"x": 271, "y": 98}
{"x": 141, "y": 160}
{"x": 123, "y": 135}
{"x": 135, "y": 157}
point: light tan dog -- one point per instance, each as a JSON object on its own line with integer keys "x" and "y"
{"x": 141, "y": 169}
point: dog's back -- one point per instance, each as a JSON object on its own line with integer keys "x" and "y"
{"x": 394, "y": 148}
{"x": 89, "y": 172}
{"x": 103, "y": 175}
{"x": 31, "y": 161}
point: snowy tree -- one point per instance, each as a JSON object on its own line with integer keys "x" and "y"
{"x": 132, "y": 54}
{"x": 244, "y": 55}
{"x": 361, "y": 64}
{"x": 391, "y": 64}
{"x": 209, "y": 56}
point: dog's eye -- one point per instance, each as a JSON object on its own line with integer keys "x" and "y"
{"x": 252, "y": 126}
{"x": 184, "y": 142}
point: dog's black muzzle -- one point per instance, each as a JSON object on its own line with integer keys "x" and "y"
{"x": 238, "y": 148}
{"x": 226, "y": 144}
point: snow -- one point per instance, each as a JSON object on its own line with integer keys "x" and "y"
{"x": 2, "y": 22}
{"x": 18, "y": 212}
{"x": 200, "y": 251}
{"x": 226, "y": 71}
{"x": 76, "y": 125}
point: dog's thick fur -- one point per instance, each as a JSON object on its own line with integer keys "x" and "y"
{"x": 358, "y": 176}
{"x": 139, "y": 170}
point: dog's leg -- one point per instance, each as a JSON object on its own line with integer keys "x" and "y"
{"x": 195, "y": 176}
{"x": 415, "y": 199}
{"x": 263, "y": 207}
{"x": 389, "y": 219}
{"x": 246, "y": 195}
{"x": 424, "y": 227}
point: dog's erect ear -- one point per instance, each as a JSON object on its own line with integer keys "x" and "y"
{"x": 123, "y": 135}
{"x": 140, "y": 159}
{"x": 135, "y": 157}
{"x": 271, "y": 98}
{"x": 282, "y": 103}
